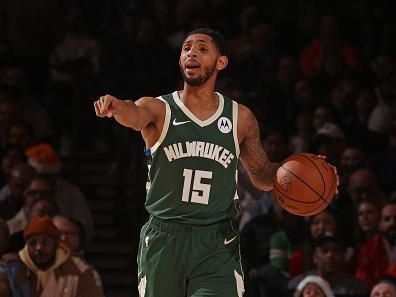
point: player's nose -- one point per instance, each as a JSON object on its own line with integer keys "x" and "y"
{"x": 192, "y": 52}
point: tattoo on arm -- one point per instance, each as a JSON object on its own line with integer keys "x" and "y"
{"x": 253, "y": 156}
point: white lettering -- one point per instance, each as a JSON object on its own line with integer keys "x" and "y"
{"x": 208, "y": 150}
{"x": 191, "y": 148}
{"x": 176, "y": 149}
{"x": 228, "y": 160}
{"x": 223, "y": 156}
{"x": 170, "y": 154}
{"x": 200, "y": 148}
{"x": 182, "y": 153}
{"x": 216, "y": 152}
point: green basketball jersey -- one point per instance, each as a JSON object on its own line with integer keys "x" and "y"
{"x": 193, "y": 166}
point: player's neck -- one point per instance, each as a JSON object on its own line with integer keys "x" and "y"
{"x": 202, "y": 102}
{"x": 198, "y": 96}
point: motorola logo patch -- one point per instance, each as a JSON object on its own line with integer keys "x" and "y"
{"x": 224, "y": 125}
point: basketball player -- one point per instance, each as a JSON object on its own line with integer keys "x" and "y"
{"x": 194, "y": 138}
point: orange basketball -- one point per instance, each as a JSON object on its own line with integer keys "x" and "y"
{"x": 305, "y": 184}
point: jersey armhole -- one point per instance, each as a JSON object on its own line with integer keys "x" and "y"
{"x": 235, "y": 126}
{"x": 165, "y": 127}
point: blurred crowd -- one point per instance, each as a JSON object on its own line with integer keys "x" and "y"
{"x": 320, "y": 76}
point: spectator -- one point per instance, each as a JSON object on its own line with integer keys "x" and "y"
{"x": 255, "y": 246}
{"x": 76, "y": 52}
{"x": 318, "y": 224}
{"x": 313, "y": 286}
{"x": 364, "y": 184}
{"x": 38, "y": 188}
{"x": 10, "y": 157}
{"x": 48, "y": 266}
{"x": 352, "y": 159}
{"x": 29, "y": 109}
{"x": 21, "y": 134}
{"x": 330, "y": 142}
{"x": 275, "y": 145}
{"x": 301, "y": 140}
{"x": 43, "y": 207}
{"x": 68, "y": 197}
{"x": 326, "y": 45}
{"x": 384, "y": 69}
{"x": 281, "y": 93}
{"x": 323, "y": 114}
{"x": 8, "y": 260}
{"x": 356, "y": 126}
{"x": 384, "y": 288}
{"x": 39, "y": 207}
{"x": 342, "y": 97}
{"x": 305, "y": 97}
{"x": 11, "y": 199}
{"x": 328, "y": 256}
{"x": 379, "y": 253}
{"x": 256, "y": 67}
{"x": 72, "y": 235}
{"x": 368, "y": 219}
{"x": 241, "y": 43}
{"x": 284, "y": 244}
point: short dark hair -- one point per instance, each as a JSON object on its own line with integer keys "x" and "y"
{"x": 328, "y": 237}
{"x": 217, "y": 37}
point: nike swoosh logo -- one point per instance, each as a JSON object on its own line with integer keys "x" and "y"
{"x": 229, "y": 241}
{"x": 179, "y": 123}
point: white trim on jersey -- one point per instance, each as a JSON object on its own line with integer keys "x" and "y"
{"x": 236, "y": 197}
{"x": 165, "y": 127}
{"x": 189, "y": 114}
{"x": 235, "y": 127}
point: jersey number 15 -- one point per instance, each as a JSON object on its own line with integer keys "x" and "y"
{"x": 199, "y": 192}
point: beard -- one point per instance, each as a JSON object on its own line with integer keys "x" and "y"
{"x": 43, "y": 262}
{"x": 200, "y": 80}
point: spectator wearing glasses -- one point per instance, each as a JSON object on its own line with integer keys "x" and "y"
{"x": 68, "y": 196}
{"x": 49, "y": 267}
{"x": 72, "y": 234}
{"x": 38, "y": 188}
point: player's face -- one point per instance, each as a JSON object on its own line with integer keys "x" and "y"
{"x": 199, "y": 59}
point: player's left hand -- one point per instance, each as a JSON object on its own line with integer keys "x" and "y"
{"x": 334, "y": 169}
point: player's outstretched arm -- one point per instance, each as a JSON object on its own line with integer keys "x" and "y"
{"x": 136, "y": 115}
{"x": 260, "y": 169}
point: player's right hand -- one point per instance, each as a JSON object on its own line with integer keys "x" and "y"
{"x": 106, "y": 106}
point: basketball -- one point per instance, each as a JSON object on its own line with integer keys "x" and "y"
{"x": 305, "y": 184}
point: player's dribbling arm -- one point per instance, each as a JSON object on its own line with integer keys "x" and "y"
{"x": 136, "y": 115}
{"x": 261, "y": 170}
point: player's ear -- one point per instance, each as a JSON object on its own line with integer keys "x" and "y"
{"x": 222, "y": 62}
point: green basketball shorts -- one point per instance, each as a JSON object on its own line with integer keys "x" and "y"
{"x": 180, "y": 260}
